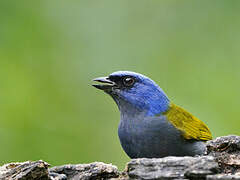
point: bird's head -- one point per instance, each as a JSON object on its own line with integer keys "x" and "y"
{"x": 134, "y": 90}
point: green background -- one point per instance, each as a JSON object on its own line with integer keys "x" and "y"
{"x": 50, "y": 51}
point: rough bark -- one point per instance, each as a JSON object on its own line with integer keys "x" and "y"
{"x": 221, "y": 162}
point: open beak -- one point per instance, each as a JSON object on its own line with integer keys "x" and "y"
{"x": 106, "y": 83}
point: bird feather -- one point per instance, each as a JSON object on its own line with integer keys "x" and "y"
{"x": 190, "y": 126}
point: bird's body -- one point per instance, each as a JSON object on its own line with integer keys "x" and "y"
{"x": 154, "y": 136}
{"x": 150, "y": 125}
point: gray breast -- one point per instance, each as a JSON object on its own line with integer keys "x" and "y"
{"x": 153, "y": 137}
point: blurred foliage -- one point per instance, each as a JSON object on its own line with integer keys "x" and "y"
{"x": 50, "y": 51}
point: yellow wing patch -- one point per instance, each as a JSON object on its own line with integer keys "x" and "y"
{"x": 190, "y": 126}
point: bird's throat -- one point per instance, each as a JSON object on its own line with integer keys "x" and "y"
{"x": 147, "y": 107}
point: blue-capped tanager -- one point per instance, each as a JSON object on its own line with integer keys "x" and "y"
{"x": 151, "y": 126}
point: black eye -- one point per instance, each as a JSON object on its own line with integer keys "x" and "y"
{"x": 128, "y": 81}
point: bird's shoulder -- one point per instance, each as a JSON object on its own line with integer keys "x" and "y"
{"x": 190, "y": 126}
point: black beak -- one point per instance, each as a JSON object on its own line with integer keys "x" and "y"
{"x": 108, "y": 84}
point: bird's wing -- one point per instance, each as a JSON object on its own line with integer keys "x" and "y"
{"x": 190, "y": 126}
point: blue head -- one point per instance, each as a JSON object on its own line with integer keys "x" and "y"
{"x": 133, "y": 90}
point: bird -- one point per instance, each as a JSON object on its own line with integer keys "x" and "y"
{"x": 151, "y": 125}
